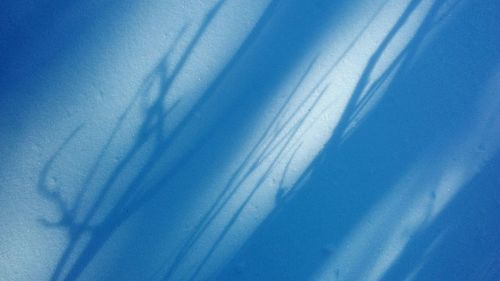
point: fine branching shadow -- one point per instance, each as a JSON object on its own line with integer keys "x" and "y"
{"x": 80, "y": 221}
{"x": 281, "y": 139}
{"x": 330, "y": 187}
{"x": 273, "y": 137}
{"x": 89, "y": 226}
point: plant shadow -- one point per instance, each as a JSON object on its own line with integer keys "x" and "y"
{"x": 97, "y": 211}
{"x": 354, "y": 173}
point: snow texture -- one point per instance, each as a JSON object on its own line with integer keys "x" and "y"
{"x": 190, "y": 140}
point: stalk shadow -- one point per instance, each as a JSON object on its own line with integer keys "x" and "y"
{"x": 273, "y": 138}
{"x": 468, "y": 249}
{"x": 89, "y": 228}
{"x": 151, "y": 129}
{"x": 334, "y": 193}
{"x": 138, "y": 192}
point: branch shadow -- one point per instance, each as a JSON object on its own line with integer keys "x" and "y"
{"x": 89, "y": 228}
{"x": 152, "y": 128}
{"x": 357, "y": 168}
{"x": 276, "y": 137}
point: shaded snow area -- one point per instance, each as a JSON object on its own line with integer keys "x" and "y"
{"x": 264, "y": 140}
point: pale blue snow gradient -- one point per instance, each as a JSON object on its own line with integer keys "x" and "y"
{"x": 260, "y": 140}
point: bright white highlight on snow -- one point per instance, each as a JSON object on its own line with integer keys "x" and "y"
{"x": 159, "y": 135}
{"x": 293, "y": 130}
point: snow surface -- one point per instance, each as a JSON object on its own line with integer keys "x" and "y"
{"x": 249, "y": 140}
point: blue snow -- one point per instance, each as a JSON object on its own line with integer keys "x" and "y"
{"x": 265, "y": 140}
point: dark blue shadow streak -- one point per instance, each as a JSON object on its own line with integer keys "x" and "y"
{"x": 271, "y": 54}
{"x": 347, "y": 180}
